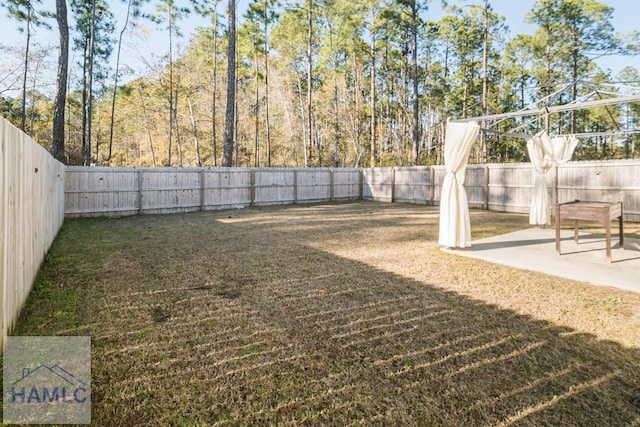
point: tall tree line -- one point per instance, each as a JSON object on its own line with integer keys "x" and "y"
{"x": 325, "y": 82}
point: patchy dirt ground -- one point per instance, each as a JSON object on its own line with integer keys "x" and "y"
{"x": 333, "y": 314}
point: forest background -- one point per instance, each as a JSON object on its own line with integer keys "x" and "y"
{"x": 316, "y": 82}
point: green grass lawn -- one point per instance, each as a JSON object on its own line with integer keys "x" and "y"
{"x": 333, "y": 314}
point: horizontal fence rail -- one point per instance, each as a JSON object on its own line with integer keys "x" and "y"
{"x": 98, "y": 191}
{"x": 31, "y": 213}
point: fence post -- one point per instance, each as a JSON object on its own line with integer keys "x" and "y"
{"x": 554, "y": 195}
{"x": 140, "y": 192}
{"x": 485, "y": 187}
{"x": 295, "y": 186}
{"x": 202, "y": 175}
{"x": 252, "y": 183}
{"x": 361, "y": 183}
{"x": 432, "y": 186}
{"x": 331, "y": 184}
{"x": 393, "y": 184}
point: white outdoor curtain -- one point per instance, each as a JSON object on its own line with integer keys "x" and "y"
{"x": 545, "y": 152}
{"x": 563, "y": 148}
{"x": 541, "y": 160}
{"x": 455, "y": 225}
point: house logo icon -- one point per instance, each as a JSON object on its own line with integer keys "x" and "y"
{"x": 46, "y": 380}
{"x": 49, "y": 385}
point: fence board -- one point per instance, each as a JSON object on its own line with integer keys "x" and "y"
{"x": 227, "y": 188}
{"x": 510, "y": 187}
{"x": 347, "y": 184}
{"x": 274, "y": 186}
{"x": 412, "y": 184}
{"x": 377, "y": 184}
{"x": 474, "y": 185}
{"x": 313, "y": 185}
{"x": 170, "y": 191}
{"x": 31, "y": 213}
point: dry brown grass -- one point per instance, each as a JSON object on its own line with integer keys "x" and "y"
{"x": 336, "y": 314}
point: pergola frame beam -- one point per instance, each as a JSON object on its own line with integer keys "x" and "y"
{"x": 554, "y": 109}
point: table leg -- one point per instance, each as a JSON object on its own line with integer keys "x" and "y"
{"x": 607, "y": 228}
{"x": 621, "y": 227}
{"x": 557, "y": 229}
{"x": 576, "y": 234}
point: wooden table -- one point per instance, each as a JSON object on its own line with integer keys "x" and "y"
{"x": 601, "y": 212}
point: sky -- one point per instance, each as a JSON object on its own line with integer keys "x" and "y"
{"x": 625, "y": 20}
{"x": 138, "y": 48}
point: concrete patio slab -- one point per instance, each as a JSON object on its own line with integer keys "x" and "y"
{"x": 534, "y": 249}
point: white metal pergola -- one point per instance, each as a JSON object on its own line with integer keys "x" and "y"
{"x": 615, "y": 98}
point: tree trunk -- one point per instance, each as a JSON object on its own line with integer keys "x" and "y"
{"x": 61, "y": 81}
{"x": 374, "y": 153}
{"x": 266, "y": 91}
{"x": 574, "y": 85}
{"x": 336, "y": 116}
{"x": 170, "y": 89}
{"x": 257, "y": 109}
{"x": 34, "y": 85}
{"x": 194, "y": 126}
{"x": 146, "y": 119}
{"x": 175, "y": 120}
{"x": 115, "y": 82}
{"x": 83, "y": 106}
{"x": 89, "y": 88}
{"x": 214, "y": 127}
{"x": 485, "y": 53}
{"x": 547, "y": 83}
{"x": 229, "y": 128}
{"x": 357, "y": 124}
{"x": 403, "y": 113}
{"x": 414, "y": 78}
{"x": 235, "y": 121}
{"x": 305, "y": 140}
{"x": 310, "y": 82}
{"x": 23, "y": 114}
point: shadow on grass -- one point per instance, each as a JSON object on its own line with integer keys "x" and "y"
{"x": 238, "y": 318}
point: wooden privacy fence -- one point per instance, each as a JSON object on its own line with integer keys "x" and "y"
{"x": 507, "y": 187}
{"x": 31, "y": 213}
{"x": 98, "y": 191}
